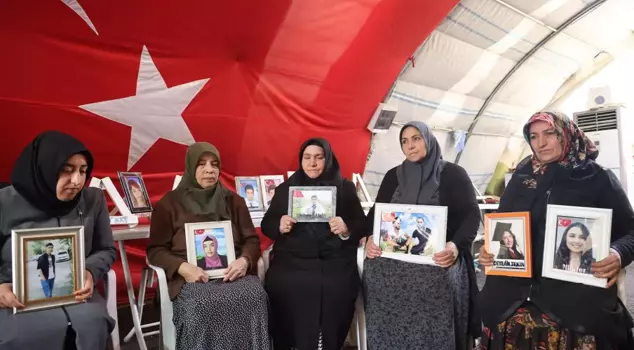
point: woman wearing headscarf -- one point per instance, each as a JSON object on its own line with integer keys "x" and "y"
{"x": 434, "y": 308}
{"x": 537, "y": 312}
{"x": 313, "y": 281}
{"x": 211, "y": 259}
{"x": 48, "y": 191}
{"x": 226, "y": 313}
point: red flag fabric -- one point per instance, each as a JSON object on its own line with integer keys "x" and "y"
{"x": 137, "y": 81}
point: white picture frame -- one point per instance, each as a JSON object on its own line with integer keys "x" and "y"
{"x": 266, "y": 182}
{"x": 321, "y": 200}
{"x": 220, "y": 232}
{"x": 67, "y": 256}
{"x": 407, "y": 245}
{"x": 560, "y": 222}
{"x": 244, "y": 184}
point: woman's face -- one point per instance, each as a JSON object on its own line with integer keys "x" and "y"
{"x": 210, "y": 248}
{"x": 507, "y": 238}
{"x": 313, "y": 161}
{"x": 575, "y": 241}
{"x": 71, "y": 178}
{"x": 207, "y": 171}
{"x": 413, "y": 144}
{"x": 544, "y": 142}
{"x": 136, "y": 192}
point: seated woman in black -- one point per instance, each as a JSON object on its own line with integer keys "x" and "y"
{"x": 529, "y": 313}
{"x": 313, "y": 280}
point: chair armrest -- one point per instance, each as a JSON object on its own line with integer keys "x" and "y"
{"x": 360, "y": 259}
{"x": 266, "y": 258}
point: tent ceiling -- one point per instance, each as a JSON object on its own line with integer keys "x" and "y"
{"x": 469, "y": 54}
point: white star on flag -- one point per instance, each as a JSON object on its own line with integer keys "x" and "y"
{"x": 154, "y": 112}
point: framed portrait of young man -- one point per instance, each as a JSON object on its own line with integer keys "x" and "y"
{"x": 48, "y": 266}
{"x": 269, "y": 183}
{"x": 136, "y": 195}
{"x": 508, "y": 237}
{"x": 210, "y": 246}
{"x": 248, "y": 187}
{"x": 412, "y": 233}
{"x": 312, "y": 203}
{"x": 575, "y": 238}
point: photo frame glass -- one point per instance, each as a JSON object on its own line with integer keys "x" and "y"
{"x": 135, "y": 193}
{"x": 412, "y": 233}
{"x": 269, "y": 183}
{"x": 248, "y": 187}
{"x": 48, "y": 266}
{"x": 575, "y": 238}
{"x": 312, "y": 203}
{"x": 210, "y": 246}
{"x": 507, "y": 237}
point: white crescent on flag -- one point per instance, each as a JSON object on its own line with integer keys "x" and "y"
{"x": 75, "y": 6}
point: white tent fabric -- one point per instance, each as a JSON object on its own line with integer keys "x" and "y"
{"x": 469, "y": 54}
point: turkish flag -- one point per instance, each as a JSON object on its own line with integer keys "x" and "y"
{"x": 138, "y": 81}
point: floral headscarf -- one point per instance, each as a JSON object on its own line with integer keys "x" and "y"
{"x": 577, "y": 147}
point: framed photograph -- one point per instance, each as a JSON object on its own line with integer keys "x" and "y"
{"x": 248, "y": 187}
{"x": 48, "y": 266}
{"x": 508, "y": 237}
{"x": 575, "y": 238}
{"x": 210, "y": 246}
{"x": 312, "y": 203}
{"x": 135, "y": 192}
{"x": 269, "y": 183}
{"x": 412, "y": 233}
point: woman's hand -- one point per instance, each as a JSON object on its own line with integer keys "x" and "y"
{"x": 237, "y": 269}
{"x": 609, "y": 268}
{"x": 485, "y": 258}
{"x": 86, "y": 292}
{"x": 286, "y": 224}
{"x": 7, "y": 298}
{"x": 192, "y": 273}
{"x": 371, "y": 249}
{"x": 338, "y": 227}
{"x": 447, "y": 256}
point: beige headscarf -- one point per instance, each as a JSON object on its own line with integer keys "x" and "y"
{"x": 208, "y": 201}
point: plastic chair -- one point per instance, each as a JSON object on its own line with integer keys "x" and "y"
{"x": 620, "y": 287}
{"x": 359, "y": 310}
{"x": 110, "y": 294}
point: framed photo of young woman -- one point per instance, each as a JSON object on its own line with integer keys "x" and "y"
{"x": 210, "y": 246}
{"x": 575, "y": 238}
{"x": 48, "y": 266}
{"x": 508, "y": 237}
{"x": 412, "y": 233}
{"x": 312, "y": 203}
{"x": 135, "y": 193}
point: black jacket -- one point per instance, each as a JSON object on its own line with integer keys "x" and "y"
{"x": 581, "y": 308}
{"x": 42, "y": 264}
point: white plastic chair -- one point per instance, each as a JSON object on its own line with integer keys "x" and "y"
{"x": 620, "y": 287}
{"x": 110, "y": 294}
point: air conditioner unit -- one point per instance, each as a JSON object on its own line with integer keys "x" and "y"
{"x": 610, "y": 128}
{"x": 382, "y": 118}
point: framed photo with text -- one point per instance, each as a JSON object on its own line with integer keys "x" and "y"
{"x": 312, "y": 203}
{"x": 210, "y": 246}
{"x": 575, "y": 238}
{"x": 135, "y": 193}
{"x": 508, "y": 237}
{"x": 48, "y": 266}
{"x": 412, "y": 233}
{"x": 269, "y": 183}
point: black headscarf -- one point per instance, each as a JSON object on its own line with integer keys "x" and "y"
{"x": 37, "y": 169}
{"x": 331, "y": 176}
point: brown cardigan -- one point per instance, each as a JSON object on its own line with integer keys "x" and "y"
{"x": 167, "y": 248}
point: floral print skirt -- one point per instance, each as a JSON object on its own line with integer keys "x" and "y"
{"x": 529, "y": 329}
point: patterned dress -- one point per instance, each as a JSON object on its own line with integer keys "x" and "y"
{"x": 222, "y": 315}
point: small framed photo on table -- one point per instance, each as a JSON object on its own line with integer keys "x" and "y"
{"x": 135, "y": 193}
{"x": 48, "y": 266}
{"x": 210, "y": 246}
{"x": 412, "y": 233}
{"x": 248, "y": 187}
{"x": 508, "y": 237}
{"x": 268, "y": 184}
{"x": 312, "y": 203}
{"x": 575, "y": 238}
